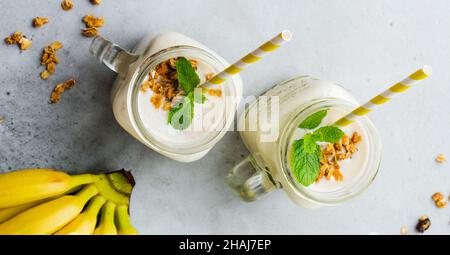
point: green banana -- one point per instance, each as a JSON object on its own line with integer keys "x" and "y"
{"x": 123, "y": 221}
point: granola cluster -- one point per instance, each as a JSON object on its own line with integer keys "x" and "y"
{"x": 66, "y": 5}
{"x": 441, "y": 159}
{"x": 96, "y": 2}
{"x": 49, "y": 59}
{"x": 163, "y": 81}
{"x": 19, "y": 39}
{"x": 92, "y": 25}
{"x": 40, "y": 21}
{"x": 439, "y": 200}
{"x": 59, "y": 89}
{"x": 333, "y": 153}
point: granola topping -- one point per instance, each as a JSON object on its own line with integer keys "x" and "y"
{"x": 163, "y": 81}
{"x": 49, "y": 59}
{"x": 333, "y": 153}
{"x": 66, "y": 5}
{"x": 59, "y": 90}
{"x": 39, "y": 21}
{"x": 96, "y": 2}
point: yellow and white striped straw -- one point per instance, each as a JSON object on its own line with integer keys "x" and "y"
{"x": 251, "y": 58}
{"x": 386, "y": 96}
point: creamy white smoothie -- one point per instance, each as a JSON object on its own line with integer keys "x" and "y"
{"x": 136, "y": 114}
{"x": 298, "y": 99}
{"x": 208, "y": 116}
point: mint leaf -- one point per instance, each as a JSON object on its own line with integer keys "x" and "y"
{"x": 328, "y": 134}
{"x": 305, "y": 166}
{"x": 181, "y": 115}
{"x": 313, "y": 120}
{"x": 309, "y": 143}
{"x": 187, "y": 77}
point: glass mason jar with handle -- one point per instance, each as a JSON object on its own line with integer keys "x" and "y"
{"x": 268, "y": 166}
{"x": 131, "y": 108}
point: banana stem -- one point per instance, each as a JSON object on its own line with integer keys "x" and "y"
{"x": 81, "y": 179}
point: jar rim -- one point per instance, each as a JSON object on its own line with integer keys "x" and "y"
{"x": 229, "y": 91}
{"x": 370, "y": 171}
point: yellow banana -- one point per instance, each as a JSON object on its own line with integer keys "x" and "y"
{"x": 8, "y": 213}
{"x": 84, "y": 224}
{"x": 29, "y": 185}
{"x": 48, "y": 217}
{"x": 107, "y": 226}
{"x": 123, "y": 221}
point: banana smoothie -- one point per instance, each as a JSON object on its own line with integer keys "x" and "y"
{"x": 157, "y": 102}
{"x": 315, "y": 163}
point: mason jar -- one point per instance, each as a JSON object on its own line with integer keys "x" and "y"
{"x": 267, "y": 168}
{"x": 132, "y": 69}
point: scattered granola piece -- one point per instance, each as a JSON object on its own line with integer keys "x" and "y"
{"x": 24, "y": 43}
{"x": 92, "y": 21}
{"x": 167, "y": 106}
{"x": 49, "y": 59}
{"x": 441, "y": 159}
{"x": 2, "y": 119}
{"x": 404, "y": 231}
{"x": 90, "y": 31}
{"x": 19, "y": 39}
{"x": 14, "y": 38}
{"x": 66, "y": 5}
{"x": 96, "y": 2}
{"x": 59, "y": 89}
{"x": 40, "y": 21}
{"x": 439, "y": 200}
{"x": 423, "y": 224}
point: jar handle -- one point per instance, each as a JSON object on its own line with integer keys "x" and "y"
{"x": 249, "y": 180}
{"x": 110, "y": 54}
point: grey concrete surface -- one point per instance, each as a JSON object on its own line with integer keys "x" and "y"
{"x": 363, "y": 44}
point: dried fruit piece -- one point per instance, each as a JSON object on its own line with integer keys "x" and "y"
{"x": 90, "y": 32}
{"x": 59, "y": 89}
{"x": 24, "y": 43}
{"x": 441, "y": 159}
{"x": 423, "y": 224}
{"x": 40, "y": 21}
{"x": 66, "y": 5}
{"x": 96, "y": 2}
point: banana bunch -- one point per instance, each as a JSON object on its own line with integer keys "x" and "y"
{"x": 46, "y": 201}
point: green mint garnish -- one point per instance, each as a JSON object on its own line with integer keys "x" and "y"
{"x": 306, "y": 153}
{"x": 313, "y": 120}
{"x": 305, "y": 165}
{"x": 181, "y": 115}
{"x": 187, "y": 77}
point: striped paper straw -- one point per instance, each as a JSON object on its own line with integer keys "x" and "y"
{"x": 386, "y": 96}
{"x": 251, "y": 58}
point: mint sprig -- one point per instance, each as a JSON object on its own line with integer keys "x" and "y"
{"x": 314, "y": 120}
{"x": 181, "y": 115}
{"x": 306, "y": 153}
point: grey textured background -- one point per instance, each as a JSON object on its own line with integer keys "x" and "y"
{"x": 363, "y": 44}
